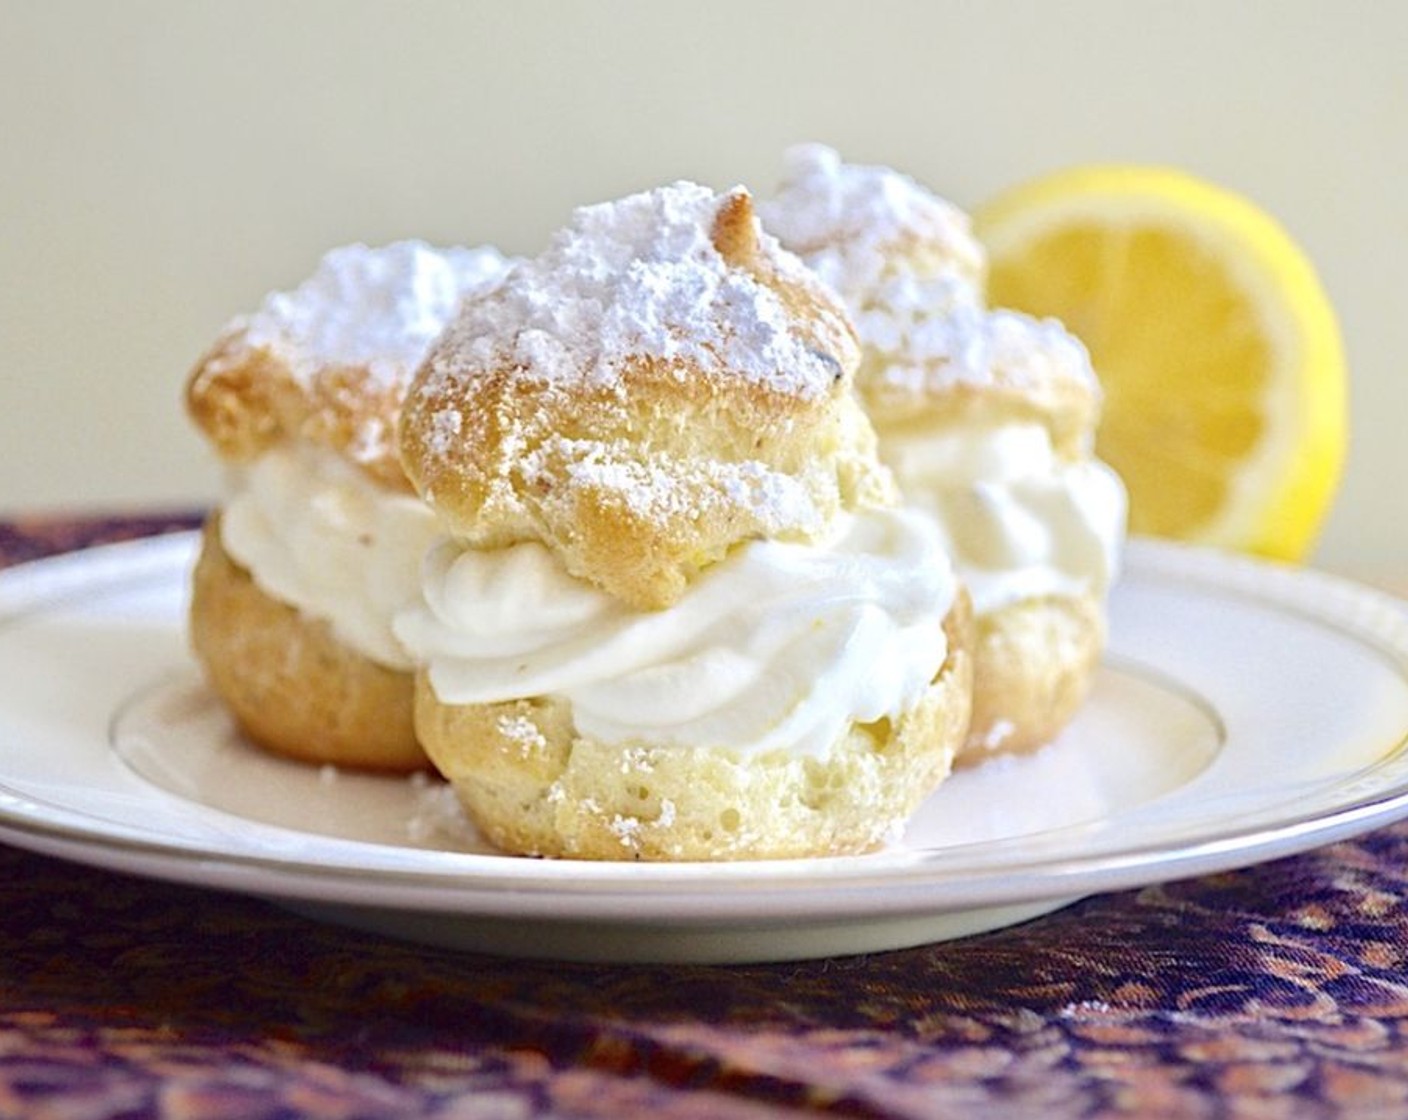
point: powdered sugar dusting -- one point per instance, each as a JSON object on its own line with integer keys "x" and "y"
{"x": 628, "y": 829}
{"x": 372, "y": 308}
{"x": 437, "y": 817}
{"x": 849, "y": 222}
{"x": 918, "y": 351}
{"x": 909, "y": 271}
{"x": 655, "y": 491}
{"x": 522, "y": 731}
{"x": 639, "y": 278}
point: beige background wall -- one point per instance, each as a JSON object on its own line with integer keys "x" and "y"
{"x": 164, "y": 163}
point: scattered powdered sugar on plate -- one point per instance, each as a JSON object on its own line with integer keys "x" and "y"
{"x": 437, "y": 815}
{"x": 372, "y": 308}
{"x": 641, "y": 278}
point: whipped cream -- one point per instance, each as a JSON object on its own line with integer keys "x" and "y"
{"x": 781, "y": 646}
{"x": 316, "y": 533}
{"x": 1018, "y": 521}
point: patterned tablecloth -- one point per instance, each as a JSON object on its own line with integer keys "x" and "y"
{"x": 1276, "y": 991}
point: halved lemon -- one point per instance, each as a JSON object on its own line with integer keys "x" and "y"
{"x": 1217, "y": 347}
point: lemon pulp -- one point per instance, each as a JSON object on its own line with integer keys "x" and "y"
{"x": 1216, "y": 345}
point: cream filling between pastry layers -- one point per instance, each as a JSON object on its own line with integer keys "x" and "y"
{"x": 780, "y": 646}
{"x": 318, "y": 534}
{"x": 1018, "y": 522}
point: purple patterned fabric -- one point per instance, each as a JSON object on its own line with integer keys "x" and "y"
{"x": 32, "y": 538}
{"x": 1278, "y": 991}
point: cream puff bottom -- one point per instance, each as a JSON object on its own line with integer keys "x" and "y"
{"x": 293, "y": 687}
{"x": 1033, "y": 664}
{"x": 533, "y": 785}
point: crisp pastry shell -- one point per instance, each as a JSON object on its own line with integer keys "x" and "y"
{"x": 1033, "y": 664}
{"x": 293, "y": 687}
{"x": 641, "y": 480}
{"x": 533, "y": 786}
{"x": 246, "y": 399}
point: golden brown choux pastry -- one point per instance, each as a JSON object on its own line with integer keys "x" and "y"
{"x": 987, "y": 419}
{"x": 680, "y": 617}
{"x": 319, "y": 539}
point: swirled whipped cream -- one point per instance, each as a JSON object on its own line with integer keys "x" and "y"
{"x": 781, "y": 646}
{"x": 1018, "y": 521}
{"x": 316, "y": 533}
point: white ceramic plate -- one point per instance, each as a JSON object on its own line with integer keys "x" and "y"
{"x": 1243, "y": 712}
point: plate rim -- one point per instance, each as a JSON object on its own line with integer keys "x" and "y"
{"x": 691, "y": 893}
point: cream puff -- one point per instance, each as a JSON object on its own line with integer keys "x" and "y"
{"x": 678, "y": 615}
{"x": 987, "y": 418}
{"x": 318, "y": 542}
